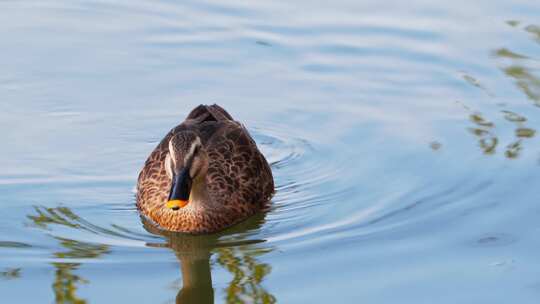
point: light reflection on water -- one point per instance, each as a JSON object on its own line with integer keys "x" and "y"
{"x": 403, "y": 139}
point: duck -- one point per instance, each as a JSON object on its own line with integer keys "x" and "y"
{"x": 205, "y": 175}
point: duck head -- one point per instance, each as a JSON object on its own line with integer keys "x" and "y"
{"x": 184, "y": 164}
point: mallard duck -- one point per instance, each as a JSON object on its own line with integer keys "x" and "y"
{"x": 206, "y": 174}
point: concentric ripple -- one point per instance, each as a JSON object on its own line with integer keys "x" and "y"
{"x": 318, "y": 201}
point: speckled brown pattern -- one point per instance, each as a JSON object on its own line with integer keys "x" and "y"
{"x": 238, "y": 179}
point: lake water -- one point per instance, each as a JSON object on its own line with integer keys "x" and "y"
{"x": 402, "y": 137}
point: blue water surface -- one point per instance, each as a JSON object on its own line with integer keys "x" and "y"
{"x": 402, "y": 137}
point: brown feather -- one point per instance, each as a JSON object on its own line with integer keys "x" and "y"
{"x": 238, "y": 179}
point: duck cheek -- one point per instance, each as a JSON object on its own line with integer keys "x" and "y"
{"x": 168, "y": 166}
{"x": 195, "y": 168}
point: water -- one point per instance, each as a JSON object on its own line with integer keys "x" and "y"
{"x": 402, "y": 136}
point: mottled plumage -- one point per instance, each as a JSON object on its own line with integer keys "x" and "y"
{"x": 234, "y": 182}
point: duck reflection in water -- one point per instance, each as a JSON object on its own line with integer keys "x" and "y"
{"x": 233, "y": 249}
{"x": 234, "y": 252}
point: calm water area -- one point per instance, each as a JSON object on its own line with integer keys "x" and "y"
{"x": 402, "y": 136}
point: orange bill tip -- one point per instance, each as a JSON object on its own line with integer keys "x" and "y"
{"x": 176, "y": 204}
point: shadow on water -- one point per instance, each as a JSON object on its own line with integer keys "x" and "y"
{"x": 235, "y": 253}
{"x": 233, "y": 249}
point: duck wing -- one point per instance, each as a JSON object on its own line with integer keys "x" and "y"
{"x": 238, "y": 176}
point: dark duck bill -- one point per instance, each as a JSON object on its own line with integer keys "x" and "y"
{"x": 180, "y": 189}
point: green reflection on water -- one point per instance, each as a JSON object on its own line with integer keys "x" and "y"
{"x": 248, "y": 275}
{"x": 512, "y": 23}
{"x": 60, "y": 216}
{"x": 65, "y": 281}
{"x": 10, "y": 273}
{"x": 10, "y": 244}
{"x": 535, "y": 31}
{"x": 234, "y": 252}
{"x": 233, "y": 249}
{"x": 488, "y": 141}
{"x": 519, "y": 69}
{"x": 506, "y": 53}
{"x": 80, "y": 250}
{"x": 527, "y": 82}
{"x": 475, "y": 83}
{"x": 483, "y": 131}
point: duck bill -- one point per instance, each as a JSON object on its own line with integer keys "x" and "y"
{"x": 180, "y": 189}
